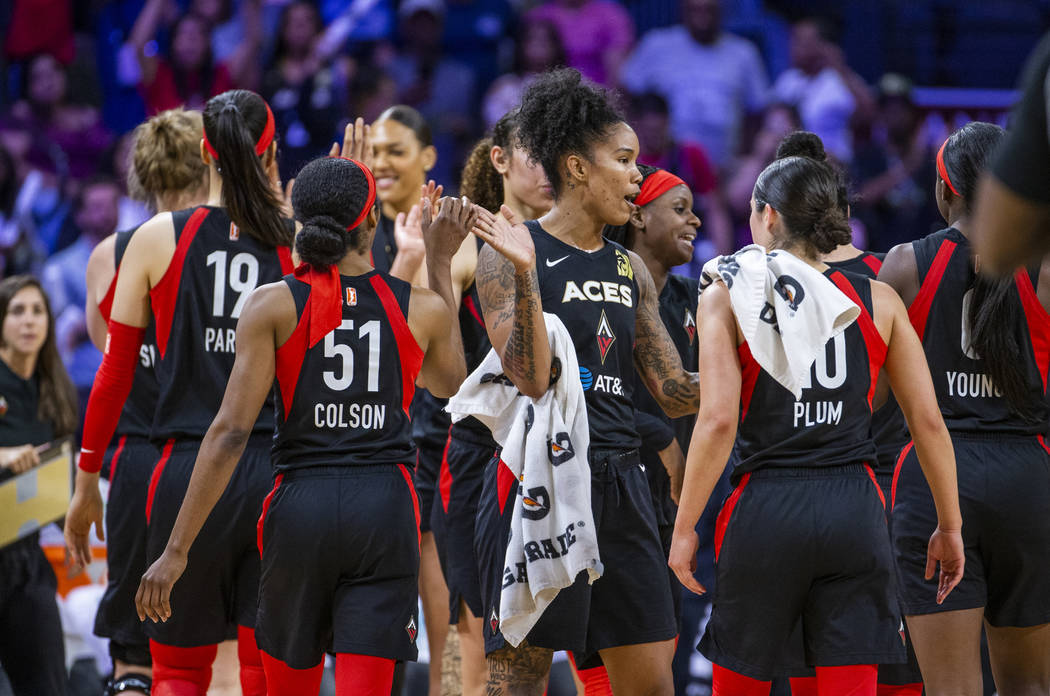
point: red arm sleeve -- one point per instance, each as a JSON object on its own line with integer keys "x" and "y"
{"x": 109, "y": 392}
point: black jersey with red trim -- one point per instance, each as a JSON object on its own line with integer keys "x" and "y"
{"x": 595, "y": 295}
{"x": 476, "y": 346}
{"x": 866, "y": 263}
{"x": 678, "y": 300}
{"x": 345, "y": 400}
{"x": 831, "y": 424}
{"x": 137, "y": 417}
{"x": 888, "y": 426}
{"x": 196, "y": 305}
{"x": 969, "y": 401}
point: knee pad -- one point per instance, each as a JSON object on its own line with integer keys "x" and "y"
{"x": 253, "y": 679}
{"x": 282, "y": 680}
{"x": 363, "y": 674}
{"x": 726, "y": 682}
{"x": 181, "y": 671}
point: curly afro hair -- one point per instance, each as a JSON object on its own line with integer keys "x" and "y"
{"x": 560, "y": 115}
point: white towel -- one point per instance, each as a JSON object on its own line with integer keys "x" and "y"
{"x": 545, "y": 443}
{"x": 787, "y": 310}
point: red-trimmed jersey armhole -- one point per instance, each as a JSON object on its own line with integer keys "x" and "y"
{"x": 164, "y": 295}
{"x": 284, "y": 254}
{"x": 105, "y": 305}
{"x": 410, "y": 352}
{"x": 289, "y": 362}
{"x": 919, "y": 311}
{"x": 749, "y": 371}
{"x": 873, "y": 262}
{"x": 1038, "y": 323}
{"x": 872, "y": 338}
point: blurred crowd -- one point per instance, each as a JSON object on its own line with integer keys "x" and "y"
{"x": 710, "y": 86}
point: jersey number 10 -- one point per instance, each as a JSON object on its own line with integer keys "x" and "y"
{"x": 369, "y": 330}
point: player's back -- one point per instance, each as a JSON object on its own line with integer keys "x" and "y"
{"x": 345, "y": 400}
{"x": 969, "y": 400}
{"x": 196, "y": 306}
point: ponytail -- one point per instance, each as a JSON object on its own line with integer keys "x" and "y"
{"x": 238, "y": 130}
{"x": 996, "y": 322}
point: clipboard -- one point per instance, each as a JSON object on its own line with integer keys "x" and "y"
{"x": 35, "y": 498}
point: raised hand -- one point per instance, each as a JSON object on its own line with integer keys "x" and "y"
{"x": 357, "y": 143}
{"x": 512, "y": 241}
{"x": 444, "y": 233}
{"x": 408, "y": 232}
{"x": 432, "y": 192}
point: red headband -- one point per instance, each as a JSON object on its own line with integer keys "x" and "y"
{"x": 943, "y": 171}
{"x": 655, "y": 185}
{"x": 260, "y": 146}
{"x": 370, "y": 201}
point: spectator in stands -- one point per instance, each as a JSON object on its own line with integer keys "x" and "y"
{"x": 538, "y": 48}
{"x": 66, "y": 138}
{"x": 777, "y": 121}
{"x": 597, "y": 34}
{"x": 829, "y": 96}
{"x": 303, "y": 87}
{"x": 39, "y": 27}
{"x": 440, "y": 88}
{"x": 189, "y": 74}
{"x": 711, "y": 79}
{"x": 476, "y": 31}
{"x": 658, "y": 148}
{"x": 893, "y": 170}
{"x": 96, "y": 211}
{"x": 18, "y": 253}
{"x": 32, "y": 226}
{"x": 227, "y": 26}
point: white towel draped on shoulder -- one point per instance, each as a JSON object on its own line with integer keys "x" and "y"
{"x": 545, "y": 443}
{"x": 787, "y": 310}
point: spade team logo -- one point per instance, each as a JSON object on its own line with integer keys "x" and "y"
{"x": 606, "y": 337}
{"x": 411, "y": 629}
{"x": 690, "y": 326}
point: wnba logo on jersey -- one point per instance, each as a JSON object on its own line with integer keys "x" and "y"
{"x": 351, "y": 297}
{"x": 235, "y": 232}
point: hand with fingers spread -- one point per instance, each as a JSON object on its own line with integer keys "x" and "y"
{"x": 432, "y": 191}
{"x": 85, "y": 509}
{"x": 945, "y": 548}
{"x": 408, "y": 233}
{"x": 153, "y": 599}
{"x": 357, "y": 143}
{"x": 682, "y": 559}
{"x": 443, "y": 233}
{"x": 512, "y": 241}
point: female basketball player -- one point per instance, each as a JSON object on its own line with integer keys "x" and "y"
{"x": 803, "y": 535}
{"x": 403, "y": 153}
{"x": 496, "y": 173}
{"x": 192, "y": 271}
{"x": 987, "y": 346}
{"x": 588, "y": 154}
{"x": 339, "y": 532}
{"x": 166, "y": 171}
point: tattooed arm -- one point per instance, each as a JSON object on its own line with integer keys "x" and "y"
{"x": 675, "y": 389}
{"x": 509, "y": 290}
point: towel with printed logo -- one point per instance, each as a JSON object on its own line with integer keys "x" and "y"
{"x": 545, "y": 443}
{"x": 787, "y": 310}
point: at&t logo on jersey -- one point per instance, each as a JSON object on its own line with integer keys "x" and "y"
{"x": 602, "y": 383}
{"x": 606, "y": 337}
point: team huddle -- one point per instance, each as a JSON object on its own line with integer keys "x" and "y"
{"x": 270, "y": 412}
